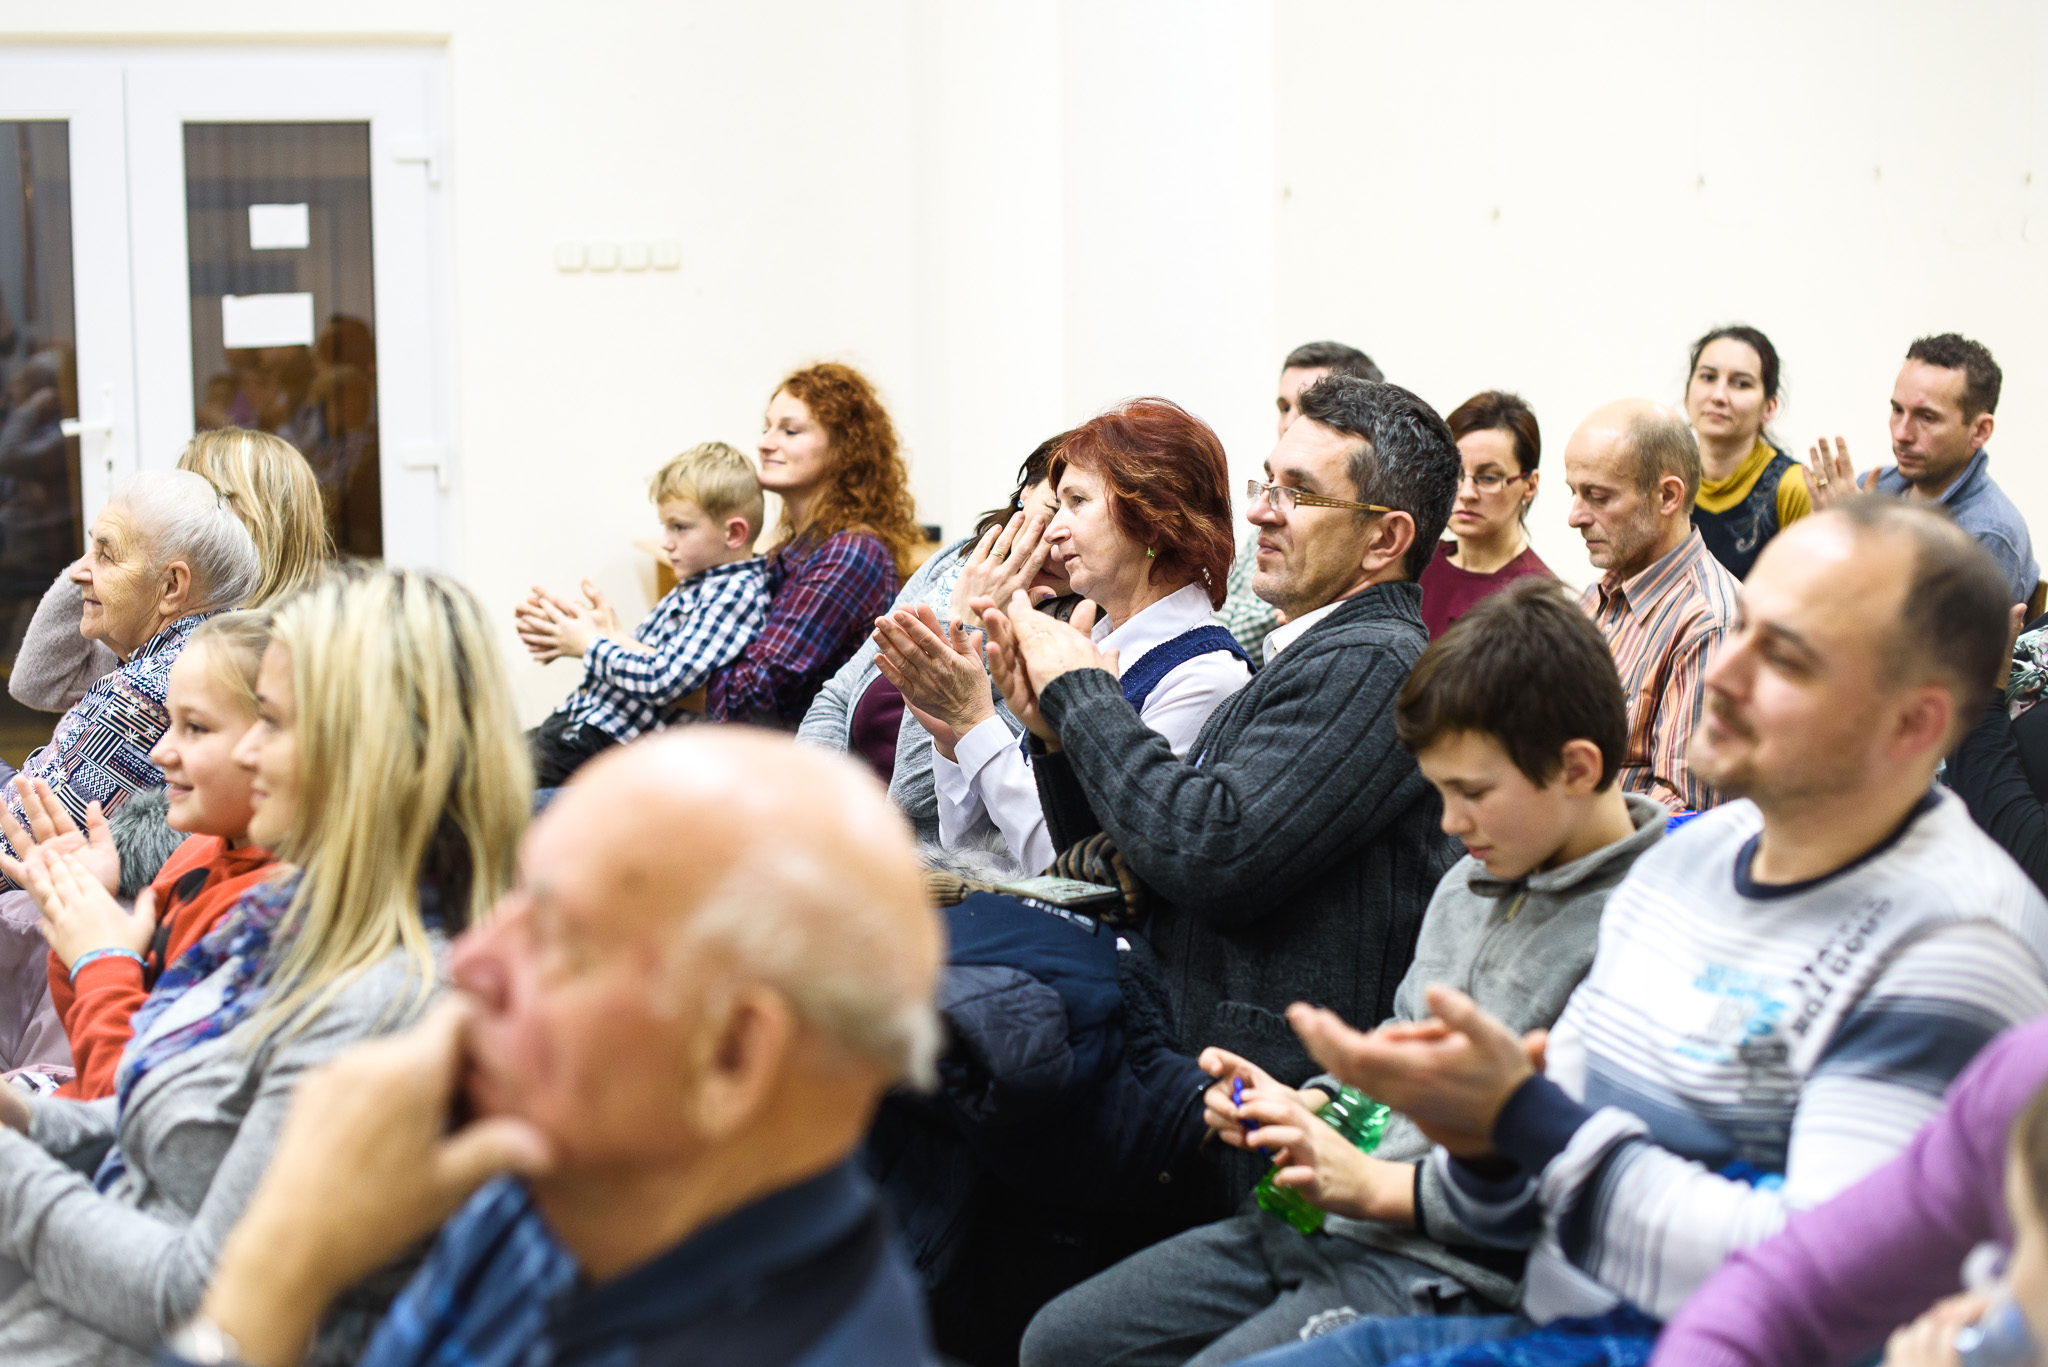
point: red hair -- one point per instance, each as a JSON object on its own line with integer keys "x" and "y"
{"x": 868, "y": 488}
{"x": 1169, "y": 485}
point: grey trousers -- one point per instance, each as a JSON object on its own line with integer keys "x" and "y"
{"x": 1227, "y": 1290}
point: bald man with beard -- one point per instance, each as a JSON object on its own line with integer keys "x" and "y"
{"x": 1664, "y": 602}
{"x": 667, "y": 1043}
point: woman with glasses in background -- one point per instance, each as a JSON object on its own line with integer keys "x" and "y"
{"x": 1499, "y": 443}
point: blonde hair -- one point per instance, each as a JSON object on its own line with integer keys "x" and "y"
{"x": 411, "y": 769}
{"x": 715, "y": 477}
{"x": 234, "y": 643}
{"x": 272, "y": 490}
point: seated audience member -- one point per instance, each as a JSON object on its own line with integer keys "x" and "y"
{"x": 267, "y": 484}
{"x": 389, "y": 778}
{"x": 860, "y": 711}
{"x": 828, "y": 450}
{"x": 1499, "y": 443}
{"x": 1517, "y": 719}
{"x": 1664, "y": 603}
{"x": 1143, "y": 533}
{"x": 1291, "y": 851}
{"x": 104, "y": 960}
{"x": 1782, "y": 990}
{"x": 677, "y": 1026}
{"x": 1247, "y": 616}
{"x": 1750, "y": 490}
{"x": 709, "y": 503}
{"x": 1942, "y": 407}
{"x": 1829, "y": 1286}
{"x": 2000, "y": 771}
{"x": 166, "y": 553}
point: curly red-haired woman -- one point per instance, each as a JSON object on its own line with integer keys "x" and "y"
{"x": 829, "y": 450}
{"x": 1143, "y": 532}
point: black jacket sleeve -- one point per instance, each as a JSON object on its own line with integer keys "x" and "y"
{"x": 1313, "y": 774}
{"x": 1987, "y": 772}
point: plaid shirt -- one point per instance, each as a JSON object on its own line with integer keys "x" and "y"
{"x": 1663, "y": 625}
{"x": 100, "y": 749}
{"x": 698, "y": 625}
{"x": 1244, "y": 614}
{"x": 827, "y": 596}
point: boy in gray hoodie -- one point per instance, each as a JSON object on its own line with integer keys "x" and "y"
{"x": 1517, "y": 717}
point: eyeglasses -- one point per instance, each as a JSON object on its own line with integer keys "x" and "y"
{"x": 1491, "y": 481}
{"x": 1284, "y": 498}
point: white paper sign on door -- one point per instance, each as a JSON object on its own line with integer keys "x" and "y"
{"x": 274, "y": 227}
{"x": 253, "y": 320}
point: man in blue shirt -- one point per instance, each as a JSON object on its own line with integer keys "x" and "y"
{"x": 674, "y": 1030}
{"x": 1942, "y": 408}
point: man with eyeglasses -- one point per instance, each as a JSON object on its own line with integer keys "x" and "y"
{"x": 1664, "y": 602}
{"x": 1244, "y": 614}
{"x": 1292, "y": 853}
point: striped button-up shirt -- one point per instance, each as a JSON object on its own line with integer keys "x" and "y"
{"x": 1663, "y": 625}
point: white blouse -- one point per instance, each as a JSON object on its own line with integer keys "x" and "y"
{"x": 992, "y": 776}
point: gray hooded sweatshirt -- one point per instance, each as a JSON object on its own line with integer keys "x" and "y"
{"x": 1519, "y": 949}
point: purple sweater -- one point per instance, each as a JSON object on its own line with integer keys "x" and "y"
{"x": 1841, "y": 1276}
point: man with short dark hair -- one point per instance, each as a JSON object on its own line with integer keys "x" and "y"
{"x": 1783, "y": 989}
{"x": 1244, "y": 614}
{"x": 1665, "y": 602}
{"x": 1293, "y": 850}
{"x": 1942, "y": 415}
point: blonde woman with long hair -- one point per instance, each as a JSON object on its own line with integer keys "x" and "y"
{"x": 390, "y": 779}
{"x": 267, "y": 484}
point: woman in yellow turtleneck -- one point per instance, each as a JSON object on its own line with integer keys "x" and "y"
{"x": 1750, "y": 490}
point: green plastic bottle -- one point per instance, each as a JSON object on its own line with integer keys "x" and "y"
{"x": 1352, "y": 1114}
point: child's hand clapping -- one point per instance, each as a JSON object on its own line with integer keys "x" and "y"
{"x": 552, "y": 627}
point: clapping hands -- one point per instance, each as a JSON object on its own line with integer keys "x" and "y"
{"x": 73, "y": 876}
{"x": 552, "y": 627}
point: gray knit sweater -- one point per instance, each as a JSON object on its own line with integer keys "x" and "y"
{"x": 55, "y": 665}
{"x": 1519, "y": 948}
{"x": 1293, "y": 851}
{"x": 109, "y": 1273}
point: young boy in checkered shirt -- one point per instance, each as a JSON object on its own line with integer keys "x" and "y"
{"x": 710, "y": 506}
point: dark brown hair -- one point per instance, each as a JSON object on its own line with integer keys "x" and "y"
{"x": 1497, "y": 410}
{"x": 1169, "y": 485}
{"x": 1031, "y": 472}
{"x": 1981, "y": 376}
{"x": 1951, "y": 628}
{"x": 1527, "y": 667}
{"x": 868, "y": 488}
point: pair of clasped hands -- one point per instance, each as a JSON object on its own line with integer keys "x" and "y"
{"x": 943, "y": 673}
{"x": 1450, "y": 1074}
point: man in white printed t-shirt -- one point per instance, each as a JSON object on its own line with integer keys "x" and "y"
{"x": 1782, "y": 989}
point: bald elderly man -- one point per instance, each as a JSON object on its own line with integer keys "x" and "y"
{"x": 1663, "y": 601}
{"x": 718, "y": 956}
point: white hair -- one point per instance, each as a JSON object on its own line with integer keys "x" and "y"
{"x": 786, "y": 916}
{"x": 180, "y": 516}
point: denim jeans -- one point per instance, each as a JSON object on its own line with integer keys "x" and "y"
{"x": 1377, "y": 1342}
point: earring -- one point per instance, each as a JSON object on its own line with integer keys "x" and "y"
{"x": 1149, "y": 553}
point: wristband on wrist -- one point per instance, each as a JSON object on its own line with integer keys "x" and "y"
{"x": 92, "y": 955}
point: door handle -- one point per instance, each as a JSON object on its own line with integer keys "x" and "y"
{"x": 426, "y": 455}
{"x": 102, "y": 428}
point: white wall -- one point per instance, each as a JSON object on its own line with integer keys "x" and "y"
{"x": 1557, "y": 200}
{"x": 1013, "y": 215}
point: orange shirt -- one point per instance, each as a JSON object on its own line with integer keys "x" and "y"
{"x": 197, "y": 886}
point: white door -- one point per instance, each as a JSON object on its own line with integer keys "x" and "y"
{"x": 290, "y": 271}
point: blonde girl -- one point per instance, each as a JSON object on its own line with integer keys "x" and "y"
{"x": 388, "y": 776}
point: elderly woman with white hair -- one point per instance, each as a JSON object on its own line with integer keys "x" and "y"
{"x": 167, "y": 552}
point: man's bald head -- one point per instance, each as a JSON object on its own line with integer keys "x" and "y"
{"x": 1655, "y": 439}
{"x": 788, "y": 860}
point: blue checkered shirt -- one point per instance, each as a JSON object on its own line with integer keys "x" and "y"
{"x": 700, "y": 624}
{"x": 100, "y": 749}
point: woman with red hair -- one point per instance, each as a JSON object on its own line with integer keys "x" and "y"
{"x": 847, "y": 532}
{"x": 1143, "y": 531}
